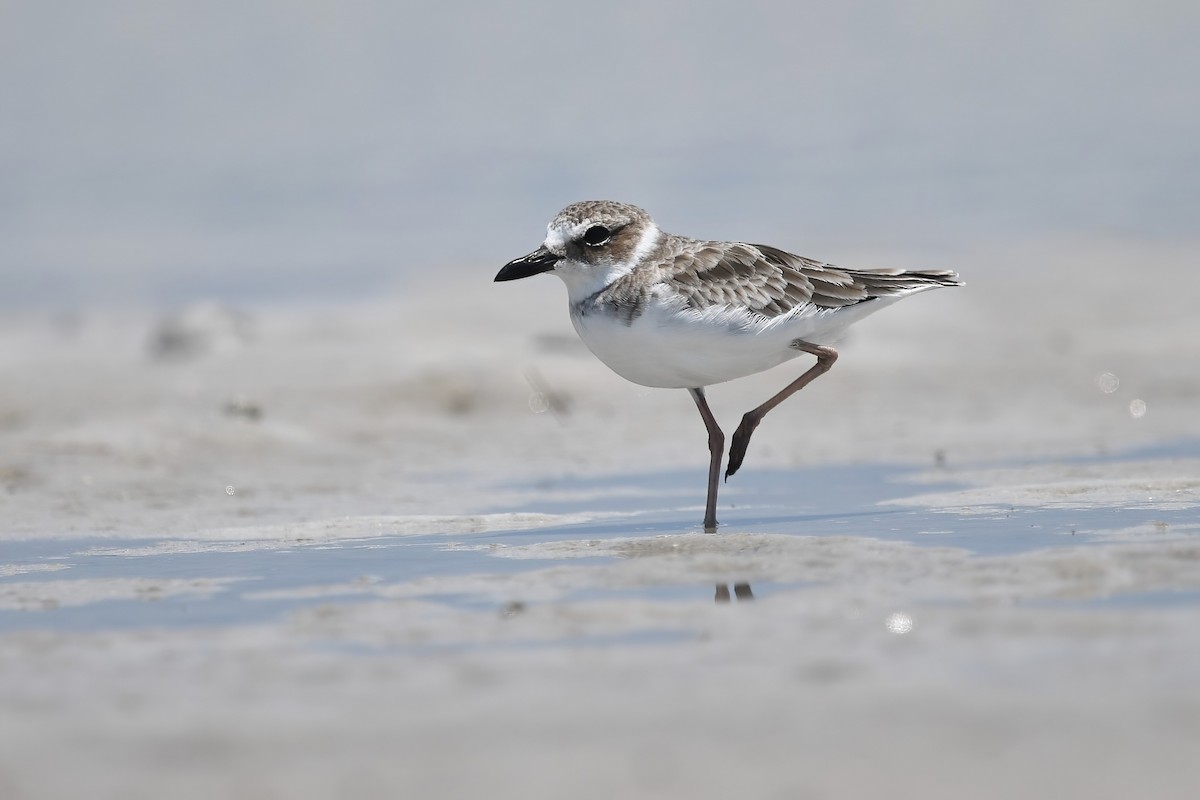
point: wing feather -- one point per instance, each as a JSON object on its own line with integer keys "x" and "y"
{"x": 773, "y": 282}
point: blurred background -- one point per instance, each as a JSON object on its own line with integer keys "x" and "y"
{"x": 156, "y": 153}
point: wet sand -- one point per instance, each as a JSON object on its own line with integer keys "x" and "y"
{"x": 400, "y": 547}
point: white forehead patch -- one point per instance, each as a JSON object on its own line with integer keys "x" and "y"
{"x": 556, "y": 240}
{"x": 557, "y": 236}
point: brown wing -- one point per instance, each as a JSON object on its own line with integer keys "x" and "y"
{"x": 773, "y": 282}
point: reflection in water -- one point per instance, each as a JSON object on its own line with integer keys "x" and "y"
{"x": 740, "y": 590}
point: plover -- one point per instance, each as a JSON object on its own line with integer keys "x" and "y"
{"x": 673, "y": 312}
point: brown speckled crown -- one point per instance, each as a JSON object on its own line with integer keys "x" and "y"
{"x": 601, "y": 212}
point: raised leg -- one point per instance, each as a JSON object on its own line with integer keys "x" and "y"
{"x": 741, "y": 437}
{"x": 716, "y": 449}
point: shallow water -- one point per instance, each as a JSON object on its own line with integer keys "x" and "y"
{"x": 141, "y": 583}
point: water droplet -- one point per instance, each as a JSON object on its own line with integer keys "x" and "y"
{"x": 538, "y": 403}
{"x": 1137, "y": 408}
{"x": 1107, "y": 382}
{"x": 229, "y": 490}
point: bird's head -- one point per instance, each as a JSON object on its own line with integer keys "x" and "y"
{"x": 589, "y": 245}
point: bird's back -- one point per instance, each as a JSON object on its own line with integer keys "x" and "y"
{"x": 774, "y": 282}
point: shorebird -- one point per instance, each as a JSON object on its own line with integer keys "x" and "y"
{"x": 669, "y": 311}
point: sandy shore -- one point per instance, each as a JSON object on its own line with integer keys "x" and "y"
{"x": 561, "y": 637}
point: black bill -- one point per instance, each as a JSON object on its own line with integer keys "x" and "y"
{"x": 540, "y": 260}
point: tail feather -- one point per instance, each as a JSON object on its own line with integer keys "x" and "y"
{"x": 887, "y": 283}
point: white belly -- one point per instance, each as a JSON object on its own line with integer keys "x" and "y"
{"x": 668, "y": 346}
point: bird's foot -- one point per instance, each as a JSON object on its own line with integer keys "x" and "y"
{"x": 741, "y": 440}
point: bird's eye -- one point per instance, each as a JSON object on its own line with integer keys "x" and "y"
{"x": 596, "y": 235}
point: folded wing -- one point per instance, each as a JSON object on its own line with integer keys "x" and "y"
{"x": 772, "y": 282}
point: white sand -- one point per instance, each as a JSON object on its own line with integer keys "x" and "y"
{"x": 876, "y": 667}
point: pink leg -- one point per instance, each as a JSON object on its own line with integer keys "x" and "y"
{"x": 716, "y": 449}
{"x": 741, "y": 437}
